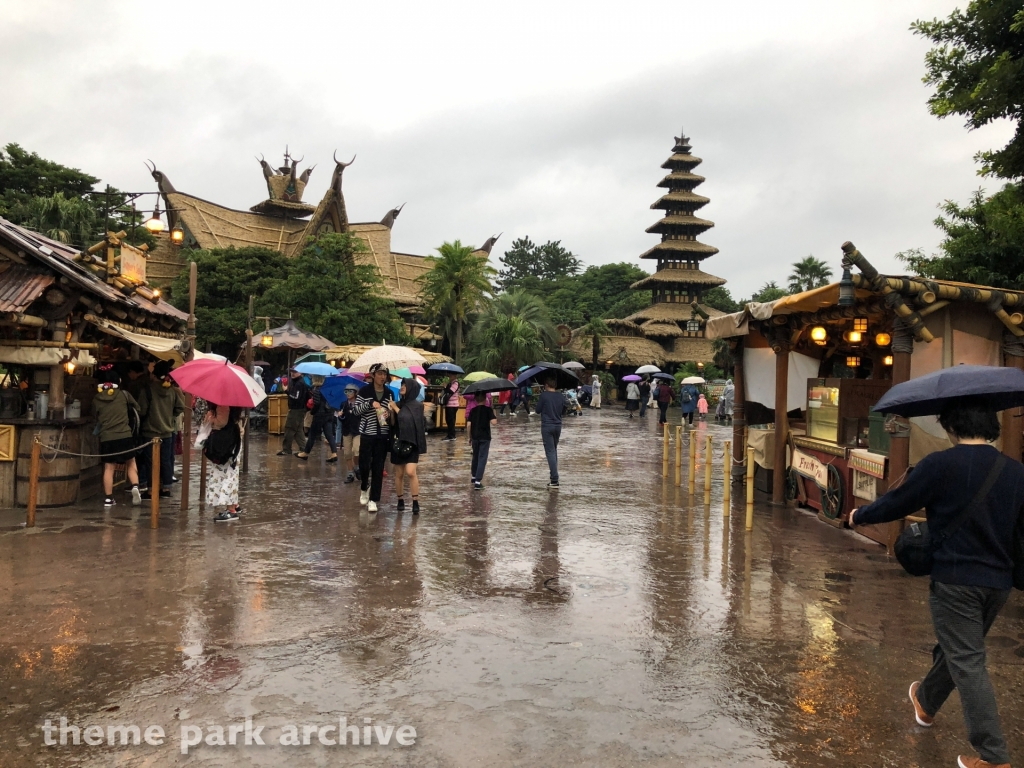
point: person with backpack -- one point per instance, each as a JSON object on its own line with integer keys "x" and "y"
{"x": 974, "y": 499}
{"x": 323, "y": 415}
{"x": 221, "y": 450}
{"x": 372, "y": 408}
{"x": 410, "y": 441}
{"x": 688, "y": 399}
{"x": 298, "y": 396}
{"x": 350, "y": 432}
{"x": 664, "y": 401}
{"x": 117, "y": 424}
{"x": 160, "y": 405}
{"x": 450, "y": 403}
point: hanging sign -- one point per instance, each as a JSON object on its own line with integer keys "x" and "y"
{"x": 808, "y": 466}
{"x": 133, "y": 264}
{"x": 864, "y": 486}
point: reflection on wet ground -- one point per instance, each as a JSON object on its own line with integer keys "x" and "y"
{"x": 615, "y": 622}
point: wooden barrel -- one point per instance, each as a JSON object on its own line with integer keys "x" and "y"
{"x": 59, "y": 474}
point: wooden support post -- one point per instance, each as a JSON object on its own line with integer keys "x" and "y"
{"x": 186, "y": 438}
{"x": 154, "y": 488}
{"x": 781, "y": 425}
{"x": 707, "y": 470}
{"x": 727, "y": 477}
{"x": 202, "y": 481}
{"x": 56, "y": 402}
{"x": 750, "y": 489}
{"x": 33, "y": 483}
{"x": 739, "y": 410}
{"x": 664, "y": 453}
{"x": 693, "y": 461}
{"x": 679, "y": 456}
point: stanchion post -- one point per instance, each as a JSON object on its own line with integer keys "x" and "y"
{"x": 33, "y": 483}
{"x": 202, "y": 480}
{"x": 727, "y": 478}
{"x": 154, "y": 488}
{"x": 679, "y": 456}
{"x": 664, "y": 454}
{"x": 707, "y": 470}
{"x": 693, "y": 461}
{"x": 750, "y": 488}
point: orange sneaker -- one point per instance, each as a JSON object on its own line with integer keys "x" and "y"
{"x": 976, "y": 762}
{"x": 922, "y": 717}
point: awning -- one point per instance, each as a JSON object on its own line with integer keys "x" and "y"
{"x": 48, "y": 356}
{"x": 159, "y": 346}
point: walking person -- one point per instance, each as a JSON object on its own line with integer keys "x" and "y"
{"x": 221, "y": 450}
{"x": 372, "y": 408}
{"x": 973, "y": 568}
{"x": 549, "y": 406}
{"x": 595, "y": 391}
{"x": 702, "y": 406}
{"x": 632, "y": 398}
{"x": 688, "y": 399}
{"x": 410, "y": 442}
{"x": 115, "y": 410}
{"x": 322, "y": 418}
{"x": 503, "y": 400}
{"x": 645, "y": 395}
{"x": 480, "y": 438}
{"x": 527, "y": 395}
{"x": 450, "y": 403}
{"x": 664, "y": 401}
{"x": 514, "y": 397}
{"x": 160, "y": 405}
{"x": 298, "y": 395}
{"x": 728, "y": 400}
{"x": 350, "y": 432}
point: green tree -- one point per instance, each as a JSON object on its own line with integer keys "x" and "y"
{"x": 977, "y": 68}
{"x": 226, "y": 279}
{"x": 596, "y": 329}
{"x": 504, "y": 343}
{"x": 600, "y": 291}
{"x": 328, "y": 293}
{"x": 770, "y": 291}
{"x": 67, "y": 220}
{"x": 721, "y": 299}
{"x": 526, "y": 264}
{"x": 983, "y": 243}
{"x": 455, "y": 288}
{"x": 520, "y": 304}
{"x": 808, "y": 274}
{"x": 25, "y": 176}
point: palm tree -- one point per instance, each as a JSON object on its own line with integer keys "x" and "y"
{"x": 596, "y": 329}
{"x": 808, "y": 274}
{"x": 512, "y": 330}
{"x": 65, "y": 219}
{"x": 456, "y": 287}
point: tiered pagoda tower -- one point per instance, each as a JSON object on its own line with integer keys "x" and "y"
{"x": 679, "y": 279}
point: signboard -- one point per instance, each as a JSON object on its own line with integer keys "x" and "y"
{"x": 133, "y": 264}
{"x": 869, "y": 463}
{"x": 808, "y": 466}
{"x": 864, "y": 486}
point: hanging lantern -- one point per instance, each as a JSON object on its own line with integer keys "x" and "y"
{"x": 847, "y": 291}
{"x": 155, "y": 224}
{"x": 267, "y": 339}
{"x": 887, "y": 360}
{"x": 853, "y": 362}
{"x": 860, "y": 324}
{"x": 177, "y": 235}
{"x": 853, "y": 337}
{"x": 819, "y": 335}
{"x": 883, "y": 339}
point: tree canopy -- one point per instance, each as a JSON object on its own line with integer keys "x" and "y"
{"x": 977, "y": 68}
{"x": 808, "y": 274}
{"x": 526, "y": 264}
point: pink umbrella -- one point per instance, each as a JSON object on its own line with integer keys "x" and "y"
{"x": 222, "y": 383}
{"x": 417, "y": 369}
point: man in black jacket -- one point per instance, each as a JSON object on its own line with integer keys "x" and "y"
{"x": 298, "y": 396}
{"x": 972, "y": 572}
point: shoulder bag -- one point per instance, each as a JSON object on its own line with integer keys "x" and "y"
{"x": 915, "y": 548}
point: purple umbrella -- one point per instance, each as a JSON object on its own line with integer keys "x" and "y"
{"x": 632, "y": 377}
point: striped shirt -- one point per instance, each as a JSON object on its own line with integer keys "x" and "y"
{"x": 369, "y": 424}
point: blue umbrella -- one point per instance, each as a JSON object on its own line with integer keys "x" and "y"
{"x": 664, "y": 376}
{"x": 396, "y": 386}
{"x": 444, "y": 368}
{"x": 317, "y": 369}
{"x": 333, "y": 389}
{"x": 927, "y": 395}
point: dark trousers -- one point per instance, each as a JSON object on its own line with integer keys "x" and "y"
{"x": 550, "y": 437}
{"x": 688, "y": 416}
{"x": 643, "y": 406}
{"x": 663, "y": 415}
{"x": 962, "y": 617}
{"x": 481, "y": 448}
{"x": 322, "y": 423}
{"x": 449, "y": 419}
{"x": 166, "y": 465}
{"x": 373, "y": 451}
{"x": 293, "y": 429}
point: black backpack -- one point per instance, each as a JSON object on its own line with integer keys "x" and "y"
{"x": 223, "y": 444}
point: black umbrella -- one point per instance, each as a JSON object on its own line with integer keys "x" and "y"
{"x": 927, "y": 395}
{"x": 565, "y": 379}
{"x": 489, "y": 385}
{"x": 664, "y": 376}
{"x": 444, "y": 368}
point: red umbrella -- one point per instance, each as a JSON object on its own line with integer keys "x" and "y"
{"x": 222, "y": 383}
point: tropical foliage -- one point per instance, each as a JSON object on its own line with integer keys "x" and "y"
{"x": 808, "y": 274}
{"x": 596, "y": 329}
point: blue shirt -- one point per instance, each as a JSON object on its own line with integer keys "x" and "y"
{"x": 549, "y": 406}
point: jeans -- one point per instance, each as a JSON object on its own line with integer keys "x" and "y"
{"x": 321, "y": 423}
{"x": 373, "y": 451}
{"x": 962, "y": 617}
{"x": 550, "y": 436}
{"x": 293, "y": 428}
{"x": 643, "y": 406}
{"x": 481, "y": 448}
{"x": 166, "y": 464}
{"x": 663, "y": 416}
{"x": 449, "y": 420}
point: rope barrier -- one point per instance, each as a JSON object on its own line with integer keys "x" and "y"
{"x": 93, "y": 455}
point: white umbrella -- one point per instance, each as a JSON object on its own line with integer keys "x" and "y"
{"x": 393, "y": 357}
{"x": 648, "y": 369}
{"x": 572, "y": 365}
{"x": 693, "y": 380}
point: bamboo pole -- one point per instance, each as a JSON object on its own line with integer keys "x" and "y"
{"x": 707, "y": 470}
{"x": 664, "y": 453}
{"x": 154, "y": 488}
{"x": 693, "y": 462}
{"x": 679, "y": 456}
{"x": 727, "y": 476}
{"x": 33, "y": 483}
{"x": 750, "y": 488}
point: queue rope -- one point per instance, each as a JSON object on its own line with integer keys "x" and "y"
{"x": 56, "y": 451}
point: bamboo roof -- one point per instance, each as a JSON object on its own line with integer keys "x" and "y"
{"x": 622, "y": 350}
{"x": 673, "y": 311}
{"x": 20, "y": 286}
{"x": 679, "y": 249}
{"x": 215, "y": 226}
{"x": 625, "y": 327}
{"x": 662, "y": 328}
{"x": 682, "y": 160}
{"x": 673, "y": 223}
{"x": 681, "y": 196}
{"x": 681, "y": 179}
{"x": 693, "y": 349}
{"x": 679, "y": 276}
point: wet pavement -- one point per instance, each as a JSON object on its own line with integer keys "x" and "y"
{"x": 615, "y": 622}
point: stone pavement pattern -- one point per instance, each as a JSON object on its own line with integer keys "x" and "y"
{"x": 611, "y": 623}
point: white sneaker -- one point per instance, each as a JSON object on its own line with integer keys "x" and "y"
{"x": 371, "y": 507}
{"x": 136, "y": 496}
{"x": 364, "y": 498}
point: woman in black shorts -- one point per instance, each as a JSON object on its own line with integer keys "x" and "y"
{"x": 410, "y": 441}
{"x": 117, "y": 436}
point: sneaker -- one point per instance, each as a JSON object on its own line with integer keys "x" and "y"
{"x": 923, "y": 718}
{"x": 145, "y": 495}
{"x": 415, "y": 507}
{"x": 302, "y": 455}
{"x": 976, "y": 762}
{"x": 364, "y": 498}
{"x": 478, "y": 486}
{"x": 165, "y": 494}
{"x": 108, "y": 501}
{"x": 225, "y": 517}
{"x": 136, "y": 496}
{"x": 284, "y": 453}
{"x": 350, "y": 478}
{"x": 533, "y": 413}
{"x": 400, "y": 505}
{"x": 371, "y": 507}
{"x": 553, "y": 486}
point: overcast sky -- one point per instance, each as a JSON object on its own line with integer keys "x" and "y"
{"x": 540, "y": 119}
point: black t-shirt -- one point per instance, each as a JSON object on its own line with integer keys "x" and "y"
{"x": 480, "y": 419}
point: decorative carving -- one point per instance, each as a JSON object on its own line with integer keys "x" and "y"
{"x": 389, "y": 218}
